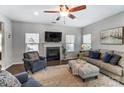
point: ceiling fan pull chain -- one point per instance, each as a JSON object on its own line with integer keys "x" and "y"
{"x": 64, "y": 19}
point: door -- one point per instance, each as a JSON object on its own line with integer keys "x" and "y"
{"x": 1, "y": 41}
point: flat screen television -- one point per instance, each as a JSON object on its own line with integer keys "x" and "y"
{"x": 53, "y": 36}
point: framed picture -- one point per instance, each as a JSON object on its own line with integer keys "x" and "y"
{"x": 113, "y": 36}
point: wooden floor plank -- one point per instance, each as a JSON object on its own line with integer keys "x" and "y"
{"x": 18, "y": 68}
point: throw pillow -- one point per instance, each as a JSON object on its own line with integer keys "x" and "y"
{"x": 33, "y": 56}
{"x": 8, "y": 80}
{"x": 91, "y": 54}
{"x": 115, "y": 59}
{"x": 95, "y": 54}
{"x": 107, "y": 57}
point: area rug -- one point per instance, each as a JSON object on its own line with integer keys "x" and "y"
{"x": 61, "y": 76}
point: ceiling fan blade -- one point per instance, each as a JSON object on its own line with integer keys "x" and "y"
{"x": 66, "y": 7}
{"x": 71, "y": 16}
{"x": 58, "y": 18}
{"x": 78, "y": 8}
{"x": 61, "y": 7}
{"x": 51, "y": 11}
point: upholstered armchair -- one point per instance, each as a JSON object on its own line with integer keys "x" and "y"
{"x": 33, "y": 62}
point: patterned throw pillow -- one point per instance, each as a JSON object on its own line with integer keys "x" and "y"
{"x": 34, "y": 56}
{"x": 115, "y": 59}
{"x": 8, "y": 80}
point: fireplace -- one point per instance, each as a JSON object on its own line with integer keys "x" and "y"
{"x": 53, "y": 53}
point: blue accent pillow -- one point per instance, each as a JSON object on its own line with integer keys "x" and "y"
{"x": 95, "y": 54}
{"x": 107, "y": 57}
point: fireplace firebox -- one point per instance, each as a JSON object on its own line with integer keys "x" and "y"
{"x": 53, "y": 53}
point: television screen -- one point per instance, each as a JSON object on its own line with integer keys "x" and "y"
{"x": 53, "y": 36}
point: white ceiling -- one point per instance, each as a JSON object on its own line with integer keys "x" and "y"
{"x": 93, "y": 13}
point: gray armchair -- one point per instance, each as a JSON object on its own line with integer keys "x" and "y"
{"x": 33, "y": 62}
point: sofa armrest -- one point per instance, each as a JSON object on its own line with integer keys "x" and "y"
{"x": 22, "y": 77}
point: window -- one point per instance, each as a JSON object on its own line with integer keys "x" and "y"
{"x": 70, "y": 43}
{"x": 32, "y": 41}
{"x": 86, "y": 42}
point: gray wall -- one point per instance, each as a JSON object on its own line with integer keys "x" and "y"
{"x": 7, "y": 43}
{"x": 20, "y": 28}
{"x": 94, "y": 29}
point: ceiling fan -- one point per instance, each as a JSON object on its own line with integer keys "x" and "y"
{"x": 64, "y": 10}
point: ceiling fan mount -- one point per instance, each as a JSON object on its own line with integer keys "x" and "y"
{"x": 64, "y": 10}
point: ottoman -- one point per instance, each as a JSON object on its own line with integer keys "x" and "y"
{"x": 88, "y": 71}
{"x": 75, "y": 68}
{"x": 75, "y": 65}
{"x": 71, "y": 62}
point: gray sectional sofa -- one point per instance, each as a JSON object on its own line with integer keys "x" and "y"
{"x": 114, "y": 71}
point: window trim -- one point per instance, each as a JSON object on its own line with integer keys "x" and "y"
{"x": 90, "y": 39}
{"x": 32, "y": 43}
{"x": 70, "y": 43}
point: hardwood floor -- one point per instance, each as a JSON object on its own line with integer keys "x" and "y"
{"x": 18, "y": 68}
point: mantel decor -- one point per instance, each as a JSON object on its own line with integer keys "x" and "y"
{"x": 114, "y": 36}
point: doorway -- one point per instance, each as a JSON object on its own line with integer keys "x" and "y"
{"x": 1, "y": 42}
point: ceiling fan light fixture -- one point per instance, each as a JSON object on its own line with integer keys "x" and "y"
{"x": 64, "y": 13}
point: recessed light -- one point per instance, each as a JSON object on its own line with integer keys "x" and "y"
{"x": 36, "y": 13}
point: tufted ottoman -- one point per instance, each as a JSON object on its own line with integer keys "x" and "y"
{"x": 71, "y": 63}
{"x": 74, "y": 65}
{"x": 88, "y": 71}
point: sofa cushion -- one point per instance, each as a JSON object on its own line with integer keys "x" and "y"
{"x": 121, "y": 61}
{"x": 115, "y": 59}
{"x": 94, "y": 61}
{"x": 112, "y": 68}
{"x": 107, "y": 57}
{"x": 8, "y": 80}
{"x": 22, "y": 77}
{"x": 31, "y": 83}
{"x": 85, "y": 58}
